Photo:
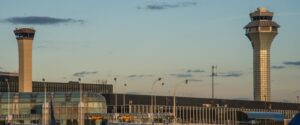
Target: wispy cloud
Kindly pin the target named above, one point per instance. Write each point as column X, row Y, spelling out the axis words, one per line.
column 84, row 73
column 278, row 67
column 163, row 6
column 195, row 80
column 195, row 71
column 41, row 47
column 182, row 75
column 292, row 63
column 41, row 20
column 230, row 74
column 133, row 76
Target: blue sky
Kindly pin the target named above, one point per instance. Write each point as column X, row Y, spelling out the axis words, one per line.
column 138, row 41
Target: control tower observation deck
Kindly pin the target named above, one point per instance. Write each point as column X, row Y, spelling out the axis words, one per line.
column 261, row 31
column 24, row 38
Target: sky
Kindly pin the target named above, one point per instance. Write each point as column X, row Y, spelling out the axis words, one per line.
column 138, row 41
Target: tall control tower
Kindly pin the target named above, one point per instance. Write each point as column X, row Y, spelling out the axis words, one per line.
column 24, row 38
column 261, row 31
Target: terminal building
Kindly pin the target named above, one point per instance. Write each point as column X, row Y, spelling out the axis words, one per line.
column 29, row 108
column 202, row 110
column 39, row 86
column 23, row 101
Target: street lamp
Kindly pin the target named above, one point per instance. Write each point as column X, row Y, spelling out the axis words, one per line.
column 213, row 74
column 90, row 120
column 265, row 102
column 80, row 103
column 155, row 106
column 124, row 99
column 174, row 100
column 298, row 101
column 45, row 100
column 152, row 109
column 116, row 96
column 9, row 117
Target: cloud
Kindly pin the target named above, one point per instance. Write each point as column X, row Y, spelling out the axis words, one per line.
column 39, row 20
column 230, row 74
column 278, row 67
column 195, row 71
column 133, row 76
column 195, row 80
column 41, row 47
column 293, row 63
column 84, row 73
column 163, row 6
column 182, row 75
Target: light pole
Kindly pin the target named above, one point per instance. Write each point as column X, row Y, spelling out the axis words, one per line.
column 213, row 74
column 8, row 102
column 124, row 99
column 265, row 102
column 298, row 102
column 90, row 120
column 45, row 100
column 174, row 100
column 152, row 109
column 80, row 103
column 155, row 106
column 116, row 96
column 265, row 108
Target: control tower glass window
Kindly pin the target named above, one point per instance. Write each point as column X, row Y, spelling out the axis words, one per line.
column 24, row 35
column 262, row 18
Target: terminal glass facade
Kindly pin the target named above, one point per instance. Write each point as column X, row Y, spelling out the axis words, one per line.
column 29, row 108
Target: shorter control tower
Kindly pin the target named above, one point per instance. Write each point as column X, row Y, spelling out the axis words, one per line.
column 24, row 38
column 261, row 31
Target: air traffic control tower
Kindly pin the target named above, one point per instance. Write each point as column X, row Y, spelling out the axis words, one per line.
column 24, row 38
column 261, row 31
